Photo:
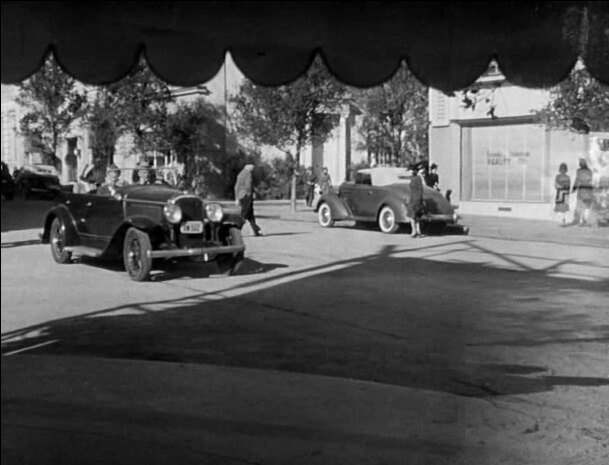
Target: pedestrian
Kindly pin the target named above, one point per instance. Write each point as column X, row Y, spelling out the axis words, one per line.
column 325, row 183
column 562, row 183
column 583, row 186
column 244, row 197
column 432, row 179
column 310, row 180
column 414, row 207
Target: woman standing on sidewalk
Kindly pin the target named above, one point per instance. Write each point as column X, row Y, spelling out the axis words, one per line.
column 562, row 182
column 583, row 186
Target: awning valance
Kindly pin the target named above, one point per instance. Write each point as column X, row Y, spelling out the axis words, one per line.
column 447, row 45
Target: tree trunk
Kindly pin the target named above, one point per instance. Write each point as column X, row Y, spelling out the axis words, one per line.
column 294, row 178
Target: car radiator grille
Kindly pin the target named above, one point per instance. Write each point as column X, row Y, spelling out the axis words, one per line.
column 192, row 210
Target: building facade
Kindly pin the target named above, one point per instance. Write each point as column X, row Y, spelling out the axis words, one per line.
column 495, row 157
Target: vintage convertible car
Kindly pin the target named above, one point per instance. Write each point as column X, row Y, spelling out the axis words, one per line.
column 379, row 195
column 8, row 184
column 38, row 180
column 142, row 222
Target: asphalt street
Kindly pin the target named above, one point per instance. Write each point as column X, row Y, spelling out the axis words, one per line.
column 339, row 345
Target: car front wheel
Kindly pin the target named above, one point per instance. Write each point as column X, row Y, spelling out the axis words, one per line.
column 324, row 216
column 229, row 264
column 135, row 254
column 57, row 241
column 387, row 220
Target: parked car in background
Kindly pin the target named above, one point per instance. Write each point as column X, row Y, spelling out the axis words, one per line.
column 8, row 184
column 380, row 195
column 40, row 181
column 141, row 222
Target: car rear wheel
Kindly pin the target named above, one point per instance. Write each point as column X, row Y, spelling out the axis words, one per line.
column 324, row 216
column 135, row 254
column 387, row 221
column 229, row 264
column 57, row 241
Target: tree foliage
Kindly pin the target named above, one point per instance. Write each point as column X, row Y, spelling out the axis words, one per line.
column 53, row 102
column 395, row 122
column 579, row 104
column 136, row 105
column 197, row 135
column 290, row 116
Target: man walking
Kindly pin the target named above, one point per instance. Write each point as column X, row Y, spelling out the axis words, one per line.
column 244, row 196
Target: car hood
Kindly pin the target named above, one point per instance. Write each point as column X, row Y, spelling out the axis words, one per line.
column 150, row 193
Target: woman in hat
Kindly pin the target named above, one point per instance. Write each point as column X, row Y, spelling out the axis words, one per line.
column 432, row 179
column 415, row 204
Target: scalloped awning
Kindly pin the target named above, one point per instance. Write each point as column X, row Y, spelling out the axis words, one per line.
column 447, row 45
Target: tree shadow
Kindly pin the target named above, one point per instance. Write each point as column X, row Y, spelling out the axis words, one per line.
column 400, row 321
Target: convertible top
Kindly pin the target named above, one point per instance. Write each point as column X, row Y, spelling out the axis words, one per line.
column 384, row 176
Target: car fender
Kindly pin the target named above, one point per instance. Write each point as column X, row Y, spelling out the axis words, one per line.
column 338, row 207
column 72, row 237
column 154, row 229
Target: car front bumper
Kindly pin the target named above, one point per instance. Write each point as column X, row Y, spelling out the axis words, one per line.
column 208, row 253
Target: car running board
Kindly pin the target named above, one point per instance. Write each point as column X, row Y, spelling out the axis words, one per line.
column 84, row 251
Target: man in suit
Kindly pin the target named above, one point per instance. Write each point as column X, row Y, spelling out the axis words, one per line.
column 244, row 196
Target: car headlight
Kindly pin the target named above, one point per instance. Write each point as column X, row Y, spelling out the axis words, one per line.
column 455, row 218
column 173, row 213
column 214, row 212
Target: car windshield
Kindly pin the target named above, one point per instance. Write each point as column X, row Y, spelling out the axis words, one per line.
column 134, row 176
column 41, row 169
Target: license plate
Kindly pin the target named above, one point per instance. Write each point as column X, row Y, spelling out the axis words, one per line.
column 192, row 227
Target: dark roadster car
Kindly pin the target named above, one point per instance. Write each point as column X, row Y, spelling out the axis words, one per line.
column 143, row 222
column 8, row 184
column 380, row 195
column 38, row 180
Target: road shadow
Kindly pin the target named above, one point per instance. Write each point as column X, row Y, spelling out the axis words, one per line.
column 390, row 319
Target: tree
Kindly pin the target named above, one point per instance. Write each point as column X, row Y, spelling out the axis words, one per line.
column 197, row 135
column 53, row 102
column 290, row 116
column 579, row 104
column 395, row 122
column 136, row 105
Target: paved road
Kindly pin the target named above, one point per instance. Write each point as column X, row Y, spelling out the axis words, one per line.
column 337, row 345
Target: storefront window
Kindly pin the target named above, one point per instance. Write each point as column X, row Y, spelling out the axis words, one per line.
column 507, row 163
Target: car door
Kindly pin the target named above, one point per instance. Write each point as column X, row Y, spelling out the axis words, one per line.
column 103, row 214
column 363, row 197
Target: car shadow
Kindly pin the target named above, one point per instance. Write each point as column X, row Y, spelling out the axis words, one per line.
column 167, row 270
column 174, row 270
column 11, row 245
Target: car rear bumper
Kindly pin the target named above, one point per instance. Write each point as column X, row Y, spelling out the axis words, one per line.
column 441, row 218
column 208, row 252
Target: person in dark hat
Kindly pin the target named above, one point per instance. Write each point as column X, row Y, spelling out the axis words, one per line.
column 414, row 207
column 432, row 179
column 144, row 173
